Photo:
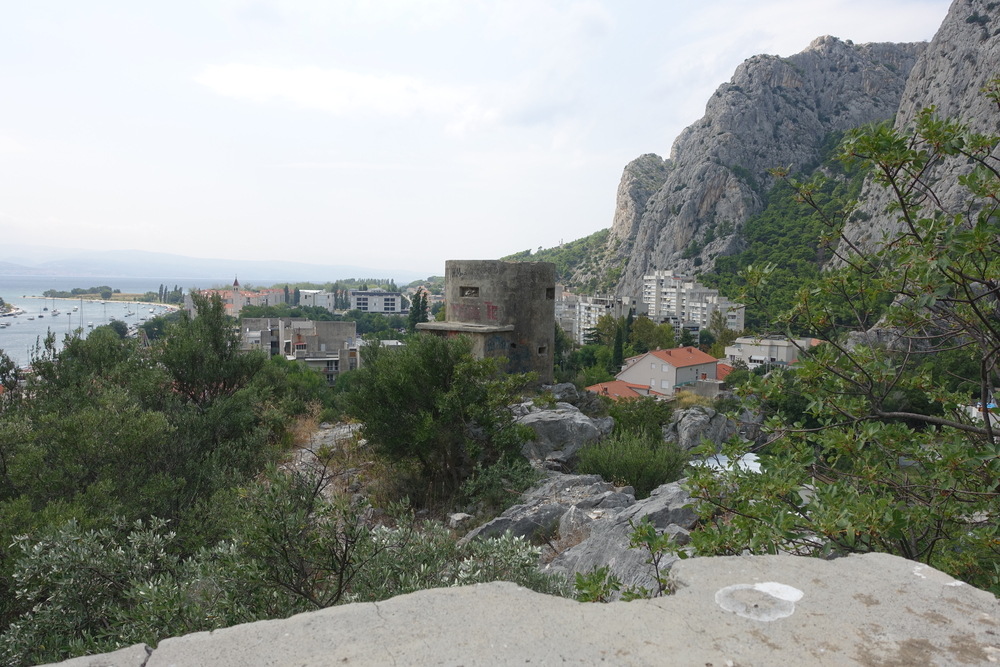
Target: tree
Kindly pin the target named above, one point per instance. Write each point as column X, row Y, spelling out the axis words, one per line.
column 891, row 457
column 418, row 309
column 432, row 405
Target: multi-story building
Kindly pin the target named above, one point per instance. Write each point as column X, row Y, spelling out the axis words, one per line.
column 319, row 299
column 684, row 302
column 579, row 314
column 379, row 301
column 236, row 298
column 767, row 350
column 330, row 348
column 506, row 308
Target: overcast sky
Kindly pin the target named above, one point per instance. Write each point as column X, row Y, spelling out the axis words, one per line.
column 380, row 133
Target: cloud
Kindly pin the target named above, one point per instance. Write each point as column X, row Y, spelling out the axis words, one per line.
column 346, row 93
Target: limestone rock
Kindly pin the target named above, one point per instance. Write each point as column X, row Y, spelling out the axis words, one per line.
column 872, row 609
column 689, row 427
column 960, row 59
column 564, row 429
column 774, row 112
column 538, row 515
column 607, row 537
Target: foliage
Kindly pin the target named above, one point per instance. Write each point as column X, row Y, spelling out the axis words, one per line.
column 645, row 416
column 104, row 291
column 633, row 459
column 645, row 335
column 495, row 488
column 432, row 404
column 581, row 255
column 789, row 236
column 890, row 459
column 418, row 310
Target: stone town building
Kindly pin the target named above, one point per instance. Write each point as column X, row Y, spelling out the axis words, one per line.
column 684, row 302
column 327, row 347
column 506, row 308
column 236, row 298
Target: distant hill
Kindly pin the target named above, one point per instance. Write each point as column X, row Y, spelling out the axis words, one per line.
column 42, row 261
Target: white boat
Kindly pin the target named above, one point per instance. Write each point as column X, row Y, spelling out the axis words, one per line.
column 90, row 325
column 31, row 317
column 75, row 308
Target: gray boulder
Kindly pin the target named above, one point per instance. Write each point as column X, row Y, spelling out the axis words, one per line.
column 539, row 515
column 563, row 429
column 605, row 537
column 564, row 391
column 585, row 523
column 693, row 425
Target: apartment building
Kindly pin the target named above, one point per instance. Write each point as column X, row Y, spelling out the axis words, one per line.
column 684, row 302
column 329, row 348
column 379, row 301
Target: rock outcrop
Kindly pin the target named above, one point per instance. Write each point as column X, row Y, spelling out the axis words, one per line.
column 949, row 74
column 775, row 112
column 755, row 610
column 585, row 523
column 691, row 426
column 562, row 430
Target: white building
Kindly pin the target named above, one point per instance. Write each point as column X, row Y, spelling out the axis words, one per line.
column 379, row 301
column 767, row 350
column 686, row 303
column 319, row 299
column 579, row 314
column 667, row 371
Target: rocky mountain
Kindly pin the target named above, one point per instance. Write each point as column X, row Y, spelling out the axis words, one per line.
column 683, row 212
column 961, row 58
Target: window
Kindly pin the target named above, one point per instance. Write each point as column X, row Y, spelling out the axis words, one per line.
column 550, row 292
column 652, row 366
column 468, row 291
column 542, row 349
column 664, row 384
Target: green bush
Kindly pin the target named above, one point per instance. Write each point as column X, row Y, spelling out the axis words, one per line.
column 636, row 460
column 495, row 488
column 644, row 415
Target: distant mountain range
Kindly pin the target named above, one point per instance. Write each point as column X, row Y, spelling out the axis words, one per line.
column 44, row 261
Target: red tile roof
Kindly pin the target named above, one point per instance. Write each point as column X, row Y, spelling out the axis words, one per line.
column 681, row 357
column 722, row 370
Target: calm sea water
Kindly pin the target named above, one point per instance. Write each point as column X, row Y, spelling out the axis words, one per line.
column 19, row 339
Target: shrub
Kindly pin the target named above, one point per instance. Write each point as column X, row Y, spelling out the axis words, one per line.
column 631, row 459
column 495, row 488
column 644, row 415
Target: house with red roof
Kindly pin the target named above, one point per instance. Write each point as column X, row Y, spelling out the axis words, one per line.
column 617, row 389
column 665, row 372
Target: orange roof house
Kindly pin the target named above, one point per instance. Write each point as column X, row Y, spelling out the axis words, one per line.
column 668, row 371
column 616, row 389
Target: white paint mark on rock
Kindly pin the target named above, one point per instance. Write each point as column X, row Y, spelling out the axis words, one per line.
column 767, row 601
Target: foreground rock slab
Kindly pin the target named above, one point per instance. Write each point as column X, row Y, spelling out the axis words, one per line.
column 754, row 610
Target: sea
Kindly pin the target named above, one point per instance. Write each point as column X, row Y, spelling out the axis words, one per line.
column 75, row 316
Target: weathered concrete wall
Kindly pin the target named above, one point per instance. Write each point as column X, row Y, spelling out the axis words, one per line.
column 495, row 293
column 756, row 610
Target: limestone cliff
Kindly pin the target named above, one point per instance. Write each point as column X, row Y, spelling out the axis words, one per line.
column 961, row 58
column 774, row 112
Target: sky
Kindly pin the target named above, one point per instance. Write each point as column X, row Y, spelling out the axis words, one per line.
column 376, row 133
